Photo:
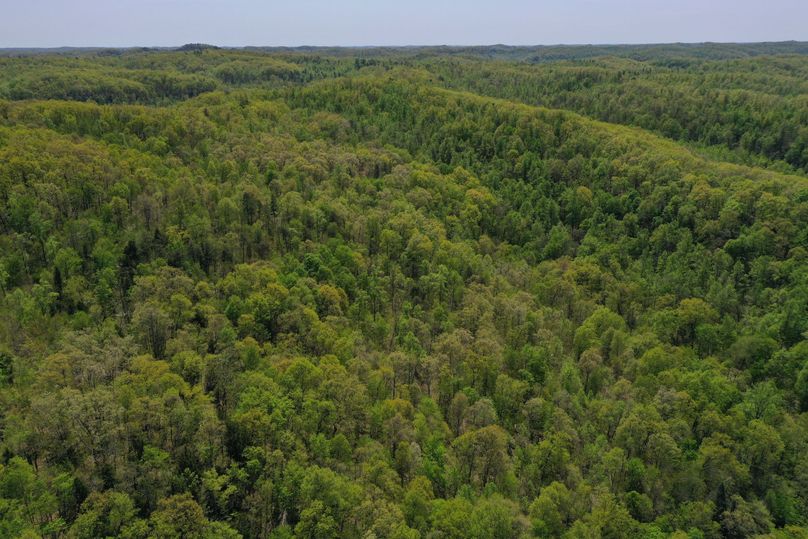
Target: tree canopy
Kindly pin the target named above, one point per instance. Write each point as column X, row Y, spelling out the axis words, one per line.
column 318, row 294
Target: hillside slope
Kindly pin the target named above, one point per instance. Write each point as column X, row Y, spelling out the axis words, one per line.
column 368, row 305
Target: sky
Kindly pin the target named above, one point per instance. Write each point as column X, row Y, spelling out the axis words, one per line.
column 121, row 23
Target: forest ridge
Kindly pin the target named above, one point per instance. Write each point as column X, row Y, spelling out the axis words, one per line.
column 438, row 292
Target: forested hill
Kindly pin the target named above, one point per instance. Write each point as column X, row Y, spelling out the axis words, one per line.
column 246, row 294
column 746, row 103
column 757, row 108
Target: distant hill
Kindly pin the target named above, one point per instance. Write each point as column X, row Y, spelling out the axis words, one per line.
column 537, row 53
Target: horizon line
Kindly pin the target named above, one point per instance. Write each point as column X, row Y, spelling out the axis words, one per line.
column 403, row 46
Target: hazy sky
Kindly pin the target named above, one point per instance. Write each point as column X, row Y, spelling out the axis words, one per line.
column 49, row 23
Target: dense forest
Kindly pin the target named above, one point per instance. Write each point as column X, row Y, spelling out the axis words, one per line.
column 400, row 293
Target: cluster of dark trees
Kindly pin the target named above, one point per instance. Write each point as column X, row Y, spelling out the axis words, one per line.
column 371, row 306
